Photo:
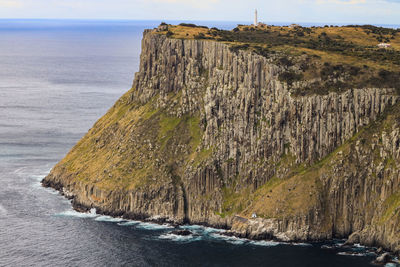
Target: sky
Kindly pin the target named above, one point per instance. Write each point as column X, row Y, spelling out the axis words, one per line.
column 314, row 11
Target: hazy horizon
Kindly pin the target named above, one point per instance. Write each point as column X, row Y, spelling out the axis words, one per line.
column 208, row 22
column 377, row 12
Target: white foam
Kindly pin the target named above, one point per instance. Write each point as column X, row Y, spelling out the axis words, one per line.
column 74, row 213
column 3, row 211
column 301, row 244
column 128, row 223
column 352, row 254
column 38, row 178
column 358, row 246
column 391, row 264
column 179, row 238
column 230, row 239
column 201, row 229
column 153, row 226
column 105, row 218
column 237, row 241
column 265, row 243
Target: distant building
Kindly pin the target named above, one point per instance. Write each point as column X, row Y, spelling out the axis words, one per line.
column 254, row 215
column 384, row 45
column 256, row 23
column 294, row 26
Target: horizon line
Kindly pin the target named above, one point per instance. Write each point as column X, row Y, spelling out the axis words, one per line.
column 193, row 20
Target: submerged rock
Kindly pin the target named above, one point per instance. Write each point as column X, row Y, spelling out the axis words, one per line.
column 384, row 258
column 182, row 232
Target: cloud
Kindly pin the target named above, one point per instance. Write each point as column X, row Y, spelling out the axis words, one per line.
column 355, row 2
column 11, row 3
column 204, row 4
column 342, row 2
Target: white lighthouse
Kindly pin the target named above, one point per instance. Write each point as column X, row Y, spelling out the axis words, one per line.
column 255, row 18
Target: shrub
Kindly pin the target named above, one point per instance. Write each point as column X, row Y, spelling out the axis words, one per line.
column 192, row 25
column 236, row 48
column 200, row 36
column 290, row 76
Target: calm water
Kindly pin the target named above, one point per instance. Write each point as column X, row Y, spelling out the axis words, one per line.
column 56, row 79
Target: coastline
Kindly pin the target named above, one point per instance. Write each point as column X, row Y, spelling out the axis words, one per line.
column 78, row 207
column 145, row 159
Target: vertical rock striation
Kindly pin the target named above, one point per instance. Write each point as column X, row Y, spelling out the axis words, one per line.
column 206, row 130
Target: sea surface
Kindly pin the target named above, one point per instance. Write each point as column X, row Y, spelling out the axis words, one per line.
column 57, row 78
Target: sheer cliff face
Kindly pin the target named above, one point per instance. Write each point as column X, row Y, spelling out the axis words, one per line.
column 206, row 134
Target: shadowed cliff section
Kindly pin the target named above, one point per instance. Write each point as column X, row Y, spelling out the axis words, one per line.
column 207, row 133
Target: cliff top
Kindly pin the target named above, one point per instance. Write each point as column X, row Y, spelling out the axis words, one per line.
column 369, row 55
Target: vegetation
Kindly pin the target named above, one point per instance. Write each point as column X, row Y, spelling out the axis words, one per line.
column 325, row 58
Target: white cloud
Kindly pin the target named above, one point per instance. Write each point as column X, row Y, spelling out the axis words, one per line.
column 204, row 4
column 11, row 3
column 342, row 2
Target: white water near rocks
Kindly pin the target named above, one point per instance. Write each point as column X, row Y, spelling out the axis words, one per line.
column 56, row 79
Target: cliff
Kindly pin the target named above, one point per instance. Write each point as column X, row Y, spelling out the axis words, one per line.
column 210, row 135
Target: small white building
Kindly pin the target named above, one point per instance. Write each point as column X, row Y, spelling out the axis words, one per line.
column 294, row 26
column 384, row 45
column 254, row 215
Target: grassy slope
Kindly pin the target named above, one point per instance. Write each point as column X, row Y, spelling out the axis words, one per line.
column 132, row 146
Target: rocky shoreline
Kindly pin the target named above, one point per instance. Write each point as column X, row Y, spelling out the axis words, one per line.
column 382, row 256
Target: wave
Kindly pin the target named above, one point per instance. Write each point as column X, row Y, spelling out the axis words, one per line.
column 105, row 218
column 265, row 243
column 201, row 229
column 128, row 223
column 244, row 241
column 3, row 211
column 74, row 213
column 301, row 244
column 353, row 254
column 180, row 238
column 153, row 226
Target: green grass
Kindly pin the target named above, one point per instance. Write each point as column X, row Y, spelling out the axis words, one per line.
column 392, row 207
column 167, row 127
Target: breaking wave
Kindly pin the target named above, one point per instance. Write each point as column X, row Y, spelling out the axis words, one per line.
column 153, row 226
column 180, row 238
column 105, row 218
column 74, row 213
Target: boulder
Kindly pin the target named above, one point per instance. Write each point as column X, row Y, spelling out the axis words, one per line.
column 182, row 232
column 384, row 258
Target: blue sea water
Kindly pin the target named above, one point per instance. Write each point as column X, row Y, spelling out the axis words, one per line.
column 57, row 77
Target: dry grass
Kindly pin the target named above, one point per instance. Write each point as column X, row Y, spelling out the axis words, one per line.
column 184, row 32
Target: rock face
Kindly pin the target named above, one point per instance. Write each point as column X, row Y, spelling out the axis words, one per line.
column 206, row 134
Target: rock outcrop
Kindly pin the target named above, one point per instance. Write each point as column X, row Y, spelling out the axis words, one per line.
column 207, row 133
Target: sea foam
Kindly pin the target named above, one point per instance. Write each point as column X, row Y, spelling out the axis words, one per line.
column 153, row 226
column 105, row 218
column 352, row 254
column 3, row 211
column 128, row 223
column 74, row 213
column 180, row 238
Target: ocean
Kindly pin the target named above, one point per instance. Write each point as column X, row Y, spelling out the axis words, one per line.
column 57, row 77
